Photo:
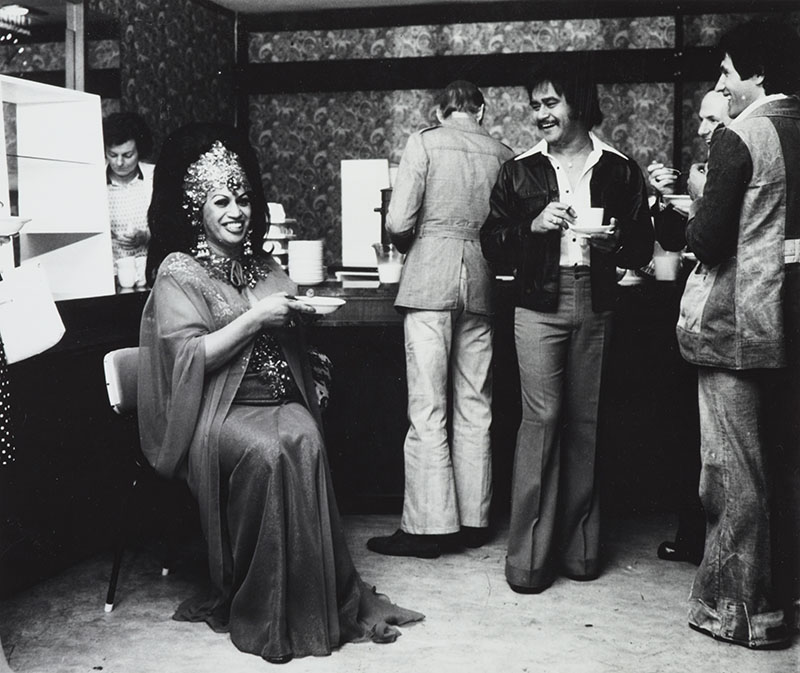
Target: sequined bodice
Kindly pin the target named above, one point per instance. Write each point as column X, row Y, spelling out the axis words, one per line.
column 268, row 377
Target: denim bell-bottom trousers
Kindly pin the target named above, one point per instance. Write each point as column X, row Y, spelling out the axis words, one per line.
column 448, row 470
column 555, row 511
column 733, row 596
column 747, row 589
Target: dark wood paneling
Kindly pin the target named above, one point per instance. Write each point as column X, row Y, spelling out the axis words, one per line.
column 105, row 83
column 515, row 10
column 390, row 74
column 103, row 29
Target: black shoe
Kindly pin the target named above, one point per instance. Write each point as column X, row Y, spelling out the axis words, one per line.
column 282, row 659
column 586, row 577
column 672, row 551
column 404, row 544
column 448, row 543
column 474, row 537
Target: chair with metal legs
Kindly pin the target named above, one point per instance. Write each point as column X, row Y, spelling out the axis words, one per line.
column 121, row 372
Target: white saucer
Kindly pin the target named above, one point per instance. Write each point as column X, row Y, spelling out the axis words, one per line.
column 323, row 305
column 588, row 231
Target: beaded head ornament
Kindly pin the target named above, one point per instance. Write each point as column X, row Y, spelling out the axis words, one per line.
column 218, row 167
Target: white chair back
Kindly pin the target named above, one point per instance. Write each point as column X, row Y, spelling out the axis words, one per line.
column 121, row 371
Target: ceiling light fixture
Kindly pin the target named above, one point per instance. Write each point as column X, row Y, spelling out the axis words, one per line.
column 14, row 19
column 14, row 10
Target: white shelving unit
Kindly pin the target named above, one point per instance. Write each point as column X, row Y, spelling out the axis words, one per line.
column 55, row 163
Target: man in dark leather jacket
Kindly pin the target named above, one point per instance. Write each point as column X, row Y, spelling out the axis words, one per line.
column 564, row 215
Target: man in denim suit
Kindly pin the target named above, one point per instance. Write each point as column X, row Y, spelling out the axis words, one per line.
column 740, row 322
column 439, row 201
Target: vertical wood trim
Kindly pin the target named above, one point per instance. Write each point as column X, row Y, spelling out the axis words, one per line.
column 75, row 46
column 677, row 103
column 242, row 95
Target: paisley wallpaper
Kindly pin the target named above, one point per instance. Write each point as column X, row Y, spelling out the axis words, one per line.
column 704, row 30
column 177, row 62
column 461, row 39
column 50, row 56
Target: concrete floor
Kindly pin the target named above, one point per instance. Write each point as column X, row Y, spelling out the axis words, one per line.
column 632, row 619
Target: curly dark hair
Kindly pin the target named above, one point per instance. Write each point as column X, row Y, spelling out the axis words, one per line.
column 120, row 127
column 171, row 227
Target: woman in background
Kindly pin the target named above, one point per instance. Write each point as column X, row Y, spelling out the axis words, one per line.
column 226, row 400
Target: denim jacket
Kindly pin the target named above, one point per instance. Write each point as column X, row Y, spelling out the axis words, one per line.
column 732, row 308
column 440, row 198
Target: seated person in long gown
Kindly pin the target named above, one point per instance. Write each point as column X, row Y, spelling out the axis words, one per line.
column 226, row 401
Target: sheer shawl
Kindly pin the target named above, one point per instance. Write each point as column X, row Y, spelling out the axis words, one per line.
column 181, row 408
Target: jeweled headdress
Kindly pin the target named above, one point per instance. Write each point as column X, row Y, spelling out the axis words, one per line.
column 218, row 167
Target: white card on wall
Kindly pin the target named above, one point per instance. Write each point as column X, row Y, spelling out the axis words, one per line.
column 362, row 182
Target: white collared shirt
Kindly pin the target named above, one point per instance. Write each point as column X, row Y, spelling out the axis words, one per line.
column 574, row 249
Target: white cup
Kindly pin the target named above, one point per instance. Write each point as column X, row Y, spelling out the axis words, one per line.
column 390, row 262
column 126, row 272
column 589, row 217
column 666, row 265
column 389, row 272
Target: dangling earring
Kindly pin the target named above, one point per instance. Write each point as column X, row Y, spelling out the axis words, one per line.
column 200, row 248
column 248, row 246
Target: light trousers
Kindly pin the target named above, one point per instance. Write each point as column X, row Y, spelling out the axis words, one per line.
column 448, row 475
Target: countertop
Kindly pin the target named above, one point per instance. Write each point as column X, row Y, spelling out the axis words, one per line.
column 366, row 306
column 113, row 320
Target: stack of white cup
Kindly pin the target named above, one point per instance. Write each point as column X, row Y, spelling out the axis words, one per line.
column 305, row 262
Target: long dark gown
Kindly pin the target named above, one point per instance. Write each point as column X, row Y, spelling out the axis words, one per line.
column 284, row 580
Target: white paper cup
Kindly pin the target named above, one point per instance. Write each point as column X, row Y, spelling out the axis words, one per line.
column 126, row 271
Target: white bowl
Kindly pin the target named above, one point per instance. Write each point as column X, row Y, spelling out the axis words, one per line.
column 10, row 225
column 323, row 305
